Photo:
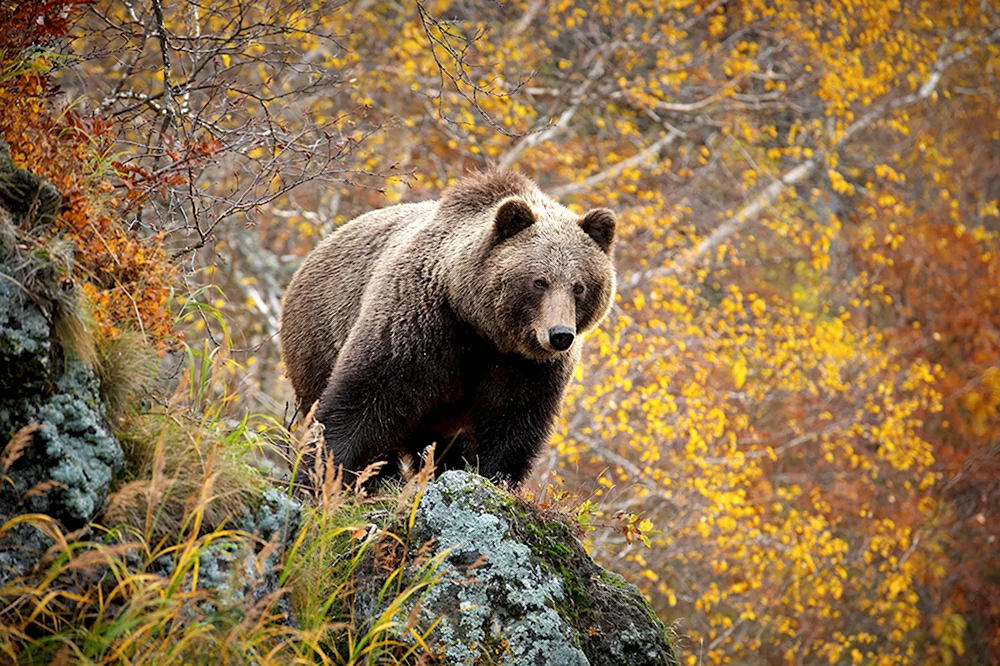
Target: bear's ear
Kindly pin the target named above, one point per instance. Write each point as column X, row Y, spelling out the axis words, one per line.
column 599, row 224
column 513, row 217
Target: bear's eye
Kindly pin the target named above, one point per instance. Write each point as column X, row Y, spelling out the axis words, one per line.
column 578, row 289
column 541, row 284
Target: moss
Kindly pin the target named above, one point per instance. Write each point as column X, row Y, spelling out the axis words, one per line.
column 618, row 582
column 548, row 541
column 610, row 615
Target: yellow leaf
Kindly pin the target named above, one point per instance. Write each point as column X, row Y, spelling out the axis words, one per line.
column 740, row 371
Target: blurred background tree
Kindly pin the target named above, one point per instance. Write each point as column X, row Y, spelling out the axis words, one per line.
column 800, row 382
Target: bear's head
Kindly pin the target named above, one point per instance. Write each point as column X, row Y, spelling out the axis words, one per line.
column 547, row 275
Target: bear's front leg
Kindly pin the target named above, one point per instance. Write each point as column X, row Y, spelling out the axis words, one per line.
column 515, row 408
column 453, row 453
column 507, row 443
column 369, row 407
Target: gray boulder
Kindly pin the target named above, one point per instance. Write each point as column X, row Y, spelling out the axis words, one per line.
column 516, row 588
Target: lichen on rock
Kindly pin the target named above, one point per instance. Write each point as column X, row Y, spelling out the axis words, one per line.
column 518, row 589
column 66, row 469
column 243, row 568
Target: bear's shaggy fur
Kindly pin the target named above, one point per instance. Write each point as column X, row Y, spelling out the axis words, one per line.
column 456, row 321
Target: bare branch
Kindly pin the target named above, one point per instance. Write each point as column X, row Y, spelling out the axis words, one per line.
column 642, row 157
column 508, row 159
column 528, row 17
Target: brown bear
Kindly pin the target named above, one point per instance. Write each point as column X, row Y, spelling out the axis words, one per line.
column 456, row 321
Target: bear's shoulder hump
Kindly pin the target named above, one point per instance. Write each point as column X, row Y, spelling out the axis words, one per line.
column 481, row 190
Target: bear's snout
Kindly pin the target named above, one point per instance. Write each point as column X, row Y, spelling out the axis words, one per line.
column 561, row 337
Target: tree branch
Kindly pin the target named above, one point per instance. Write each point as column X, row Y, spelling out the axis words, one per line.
column 507, row 159
column 804, row 170
column 528, row 17
column 639, row 158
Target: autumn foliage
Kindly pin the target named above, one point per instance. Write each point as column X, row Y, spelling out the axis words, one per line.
column 799, row 386
column 127, row 278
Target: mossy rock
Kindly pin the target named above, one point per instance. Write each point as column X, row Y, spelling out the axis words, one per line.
column 517, row 588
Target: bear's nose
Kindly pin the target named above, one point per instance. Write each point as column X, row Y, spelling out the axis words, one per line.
column 561, row 337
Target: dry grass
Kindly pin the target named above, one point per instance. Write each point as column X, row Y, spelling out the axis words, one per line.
column 108, row 600
column 132, row 588
column 183, row 463
column 17, row 445
column 127, row 371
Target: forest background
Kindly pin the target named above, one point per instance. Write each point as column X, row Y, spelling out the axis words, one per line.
column 799, row 384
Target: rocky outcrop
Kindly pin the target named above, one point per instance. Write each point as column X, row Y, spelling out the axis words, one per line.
column 64, row 471
column 516, row 588
column 60, row 456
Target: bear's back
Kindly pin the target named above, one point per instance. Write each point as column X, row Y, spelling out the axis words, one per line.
column 324, row 298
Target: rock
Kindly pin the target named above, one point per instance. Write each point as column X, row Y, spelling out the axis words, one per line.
column 241, row 571
column 275, row 522
column 66, row 457
column 70, row 456
column 516, row 588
